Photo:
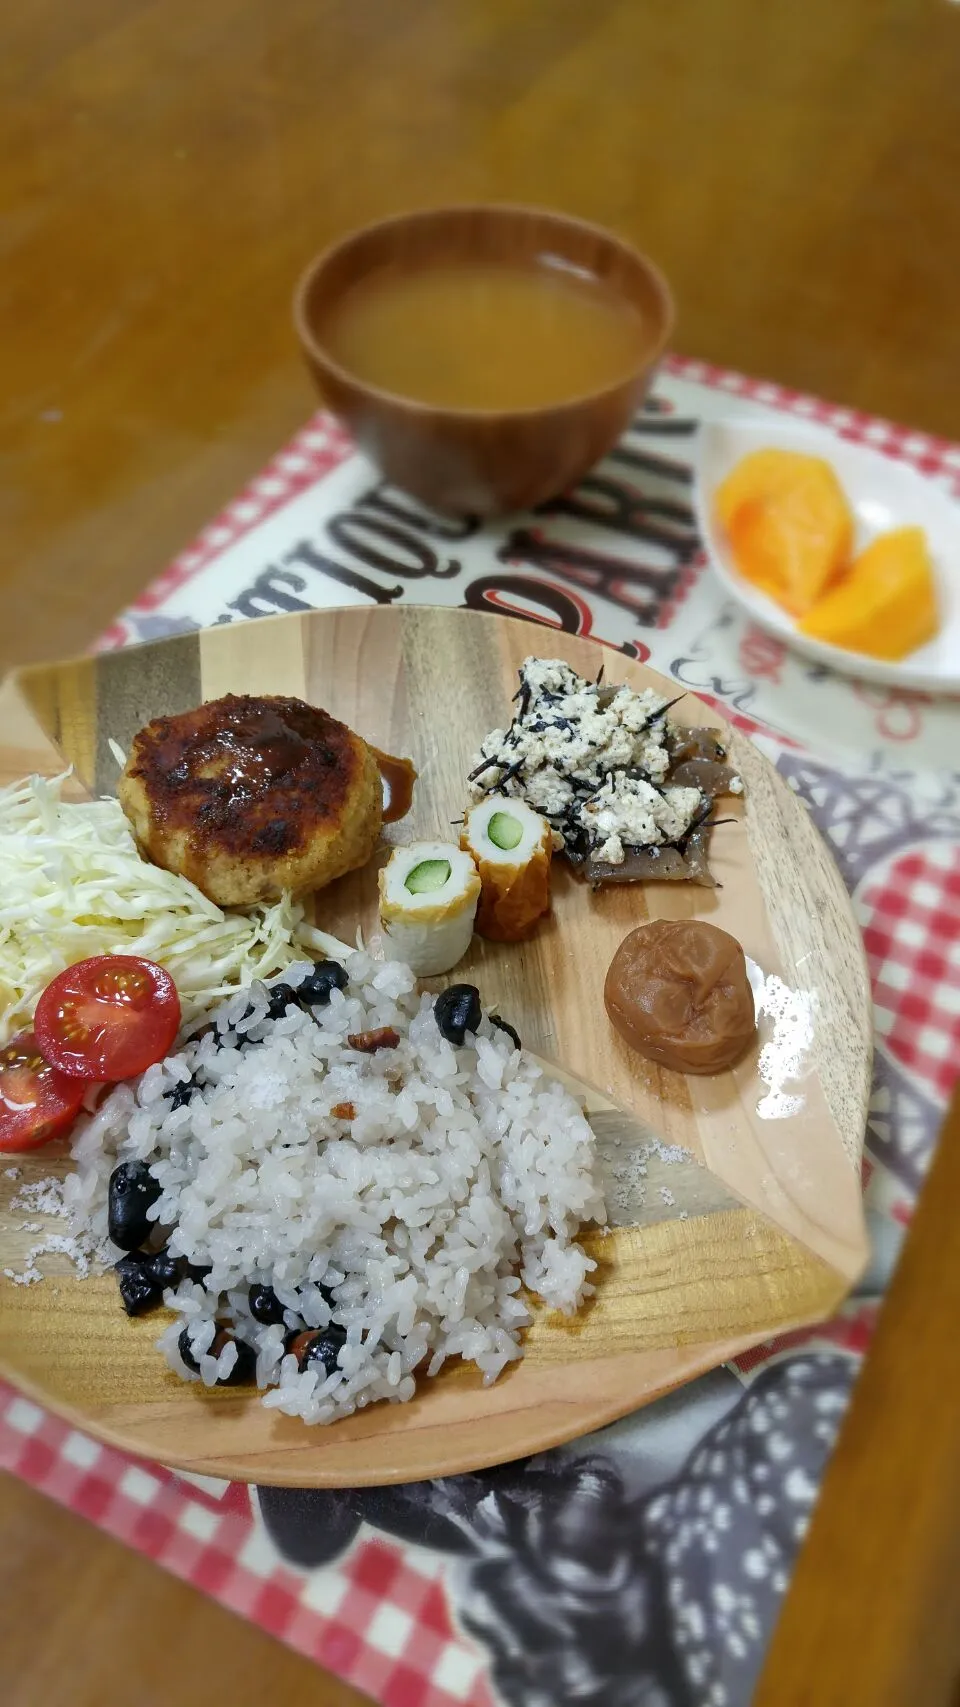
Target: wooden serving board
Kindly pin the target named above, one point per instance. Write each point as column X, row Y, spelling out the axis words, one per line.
column 758, row 1230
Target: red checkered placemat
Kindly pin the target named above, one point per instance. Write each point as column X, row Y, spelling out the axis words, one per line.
column 654, row 1555
column 911, row 931
column 380, row 1618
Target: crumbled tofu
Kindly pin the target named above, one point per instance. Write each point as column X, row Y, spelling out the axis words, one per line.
column 548, row 793
column 549, row 676
column 594, row 760
column 628, row 812
column 568, row 734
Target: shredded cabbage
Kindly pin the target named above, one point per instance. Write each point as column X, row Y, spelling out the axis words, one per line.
column 73, row 884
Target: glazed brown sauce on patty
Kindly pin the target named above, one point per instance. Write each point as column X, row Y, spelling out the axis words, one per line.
column 258, row 773
column 253, row 750
column 398, row 776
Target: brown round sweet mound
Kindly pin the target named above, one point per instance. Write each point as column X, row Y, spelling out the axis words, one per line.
column 677, row 991
column 248, row 796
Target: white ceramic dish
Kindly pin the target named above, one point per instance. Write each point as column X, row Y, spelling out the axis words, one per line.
column 883, row 494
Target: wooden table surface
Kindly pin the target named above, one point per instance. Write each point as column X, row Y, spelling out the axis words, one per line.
column 165, row 170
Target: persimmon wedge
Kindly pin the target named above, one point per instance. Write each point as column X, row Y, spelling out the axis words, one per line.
column 788, row 522
column 886, row 604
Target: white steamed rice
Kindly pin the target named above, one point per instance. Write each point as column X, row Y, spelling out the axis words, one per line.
column 463, row 1175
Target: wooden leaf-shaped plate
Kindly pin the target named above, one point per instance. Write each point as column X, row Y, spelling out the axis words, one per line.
column 761, row 1230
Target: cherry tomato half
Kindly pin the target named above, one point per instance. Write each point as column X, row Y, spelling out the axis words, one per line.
column 36, row 1102
column 108, row 1018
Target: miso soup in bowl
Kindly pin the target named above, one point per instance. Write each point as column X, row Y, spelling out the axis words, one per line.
column 485, row 357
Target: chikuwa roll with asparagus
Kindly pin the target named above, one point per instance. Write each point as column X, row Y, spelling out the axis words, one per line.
column 428, row 902
column 512, row 846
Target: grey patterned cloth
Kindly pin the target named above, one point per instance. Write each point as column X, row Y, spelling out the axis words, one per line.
column 595, row 1579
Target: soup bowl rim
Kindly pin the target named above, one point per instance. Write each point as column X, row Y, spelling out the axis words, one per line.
column 316, row 349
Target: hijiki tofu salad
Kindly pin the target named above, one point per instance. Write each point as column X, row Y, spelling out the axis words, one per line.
column 324, row 1179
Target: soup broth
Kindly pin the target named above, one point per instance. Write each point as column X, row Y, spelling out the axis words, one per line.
column 485, row 335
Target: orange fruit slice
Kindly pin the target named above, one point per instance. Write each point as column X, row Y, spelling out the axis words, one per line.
column 886, row 604
column 788, row 522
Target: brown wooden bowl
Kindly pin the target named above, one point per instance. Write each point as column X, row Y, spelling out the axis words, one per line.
column 476, row 461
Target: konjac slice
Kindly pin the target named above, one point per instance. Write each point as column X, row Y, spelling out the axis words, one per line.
column 788, row 522
column 886, row 604
column 108, row 1018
